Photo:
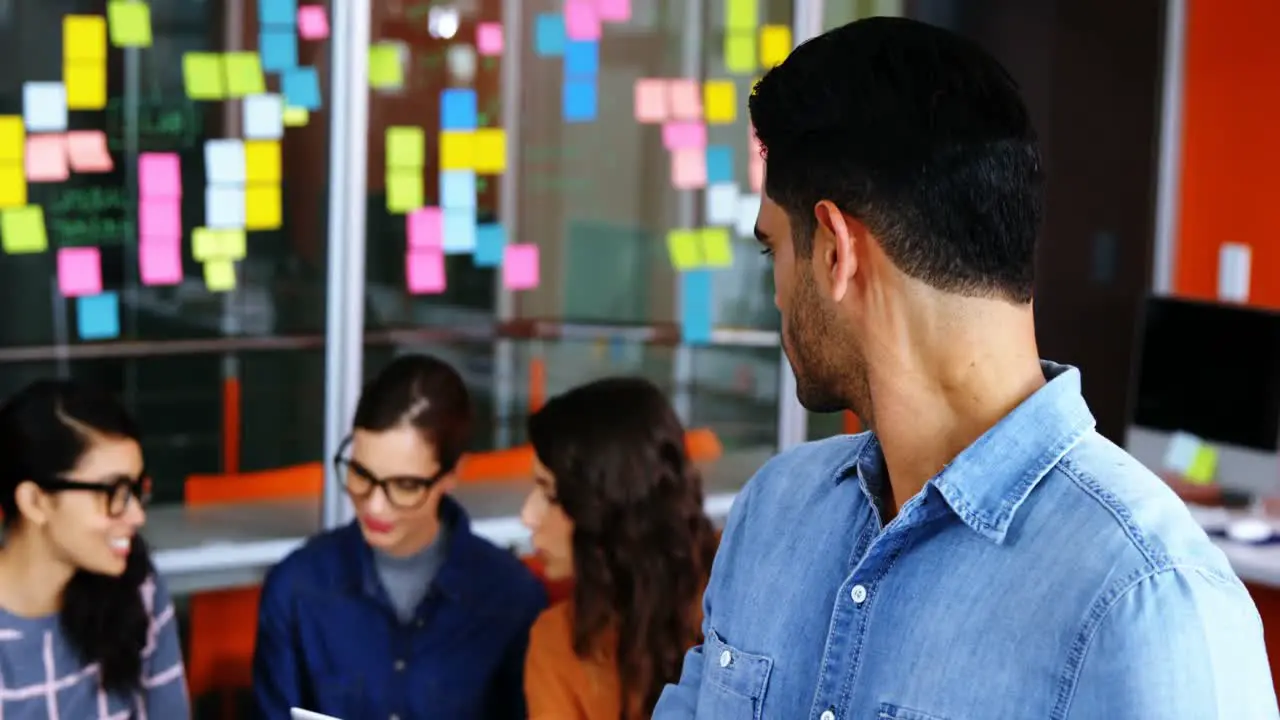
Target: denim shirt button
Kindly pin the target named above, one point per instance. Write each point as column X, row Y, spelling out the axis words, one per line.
column 859, row 594
column 726, row 657
column 827, row 714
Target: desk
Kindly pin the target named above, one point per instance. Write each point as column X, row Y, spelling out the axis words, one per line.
column 219, row 547
column 1255, row 564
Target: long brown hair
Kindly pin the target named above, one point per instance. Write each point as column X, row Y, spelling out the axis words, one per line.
column 642, row 544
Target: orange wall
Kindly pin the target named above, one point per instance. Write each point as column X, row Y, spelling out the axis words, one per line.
column 1230, row 179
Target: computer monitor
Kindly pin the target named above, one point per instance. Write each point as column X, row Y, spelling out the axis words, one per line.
column 1213, row 371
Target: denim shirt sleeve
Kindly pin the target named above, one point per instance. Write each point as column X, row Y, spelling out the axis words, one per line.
column 277, row 683
column 1176, row 643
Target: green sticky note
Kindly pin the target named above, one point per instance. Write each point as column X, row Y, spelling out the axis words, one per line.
column 717, row 251
column 244, row 74
column 683, row 245
column 386, row 66
column 741, row 15
column 740, row 52
column 404, row 191
column 202, row 74
column 130, row 22
column 406, row 147
column 22, row 230
column 1203, row 466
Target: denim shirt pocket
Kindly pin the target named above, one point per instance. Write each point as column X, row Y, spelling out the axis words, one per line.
column 889, row 711
column 733, row 681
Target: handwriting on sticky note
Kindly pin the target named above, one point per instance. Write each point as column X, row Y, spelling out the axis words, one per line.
column 651, row 99
column 98, row 316
column 520, row 266
column 688, row 169
column 717, row 249
column 684, row 248
column 220, row 275
column 203, row 77
column 130, row 22
column 244, row 74
column 721, row 101
column 160, row 260
column 775, row 44
column 490, row 151
column 159, row 175
column 87, row 150
column 22, row 230
column 46, row 159
column 386, row 65
column 79, row 271
column 313, row 22
column 159, row 218
column 489, row 39
column 263, row 207
column 686, row 98
column 684, row 135
column 406, row 147
column 425, row 227
column 424, row 270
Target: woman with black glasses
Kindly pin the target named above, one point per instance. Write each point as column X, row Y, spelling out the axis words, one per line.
column 404, row 613
column 86, row 627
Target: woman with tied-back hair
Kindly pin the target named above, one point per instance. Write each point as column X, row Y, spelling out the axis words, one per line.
column 617, row 507
column 86, row 627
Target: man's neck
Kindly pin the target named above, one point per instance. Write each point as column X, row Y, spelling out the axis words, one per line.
column 31, row 582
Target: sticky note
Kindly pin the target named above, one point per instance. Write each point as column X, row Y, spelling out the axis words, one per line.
column 244, row 74
column 581, row 58
column 224, row 161
column 214, row 244
column 296, row 117
column 775, row 44
column 684, row 135
column 651, row 100
column 98, row 316
column 44, row 106
column 313, row 22
column 46, row 159
column 22, row 230
column 424, row 270
column 160, row 260
column 489, row 149
column 549, row 34
column 459, row 231
column 719, row 163
column 744, row 224
column 721, row 202
column 224, row 206
column 301, row 87
column 278, row 48
column 491, row 241
column 386, row 65
column 203, row 76
column 614, row 11
column 720, row 99
column 1234, row 263
column 220, row 275
column 13, row 186
column 717, row 249
column 263, row 117
column 13, row 139
column 688, row 169
column 685, row 249
column 580, row 100
column 263, row 207
column 84, row 37
column 457, row 149
column 520, row 266
column 262, row 162
column 425, row 228
column 87, row 150
column 740, row 52
column 685, row 95
column 86, row 85
column 1203, row 465
column 489, row 39
column 695, row 306
column 581, row 22
column 458, row 189
column 458, row 109
column 130, row 22
column 404, row 190
column 159, row 218
column 741, row 15
column 406, row 147
column 79, row 271
column 280, row 12
column 159, row 175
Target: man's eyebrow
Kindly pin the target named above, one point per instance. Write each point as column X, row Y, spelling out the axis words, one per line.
column 761, row 235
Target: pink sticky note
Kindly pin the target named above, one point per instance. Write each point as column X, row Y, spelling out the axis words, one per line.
column 160, row 218
column 581, row 21
column 313, row 22
column 79, row 271
column 46, row 158
column 424, row 270
column 684, row 135
column 88, row 151
column 686, row 98
column 520, row 266
column 160, row 260
column 755, row 169
column 159, row 176
column 651, row 100
column 425, row 228
column 489, row 38
column 689, row 169
column 616, row 11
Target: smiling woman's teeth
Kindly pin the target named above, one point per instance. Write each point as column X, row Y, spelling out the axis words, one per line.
column 121, row 543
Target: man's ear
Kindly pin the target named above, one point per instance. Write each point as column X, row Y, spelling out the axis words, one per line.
column 835, row 248
column 33, row 503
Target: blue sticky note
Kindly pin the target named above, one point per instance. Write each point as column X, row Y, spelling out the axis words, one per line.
column 224, row 207
column 98, row 316
column 278, row 12
column 581, row 59
column 301, row 86
column 491, row 238
column 695, row 306
column 458, row 109
column 278, row 48
column 224, row 161
column 719, row 164
column 580, row 100
column 458, row 189
column 44, row 106
column 459, row 225
column 548, row 34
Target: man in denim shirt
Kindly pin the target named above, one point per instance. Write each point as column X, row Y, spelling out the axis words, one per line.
column 983, row 554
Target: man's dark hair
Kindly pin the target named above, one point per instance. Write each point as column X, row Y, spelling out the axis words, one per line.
column 919, row 134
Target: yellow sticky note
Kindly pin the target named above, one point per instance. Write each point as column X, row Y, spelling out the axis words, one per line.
column 490, row 149
column 13, row 138
column 86, row 83
column 209, row 244
column 130, row 22
column 84, row 37
column 22, row 230
column 404, row 191
column 202, row 74
column 682, row 245
column 406, row 147
column 741, row 15
column 244, row 74
column 386, row 66
column 740, row 52
column 717, row 250
column 220, row 275
column 262, row 163
column 262, row 207
column 457, row 150
column 720, row 101
column 775, row 44
column 13, row 186
column 296, row 117
column 1203, row 466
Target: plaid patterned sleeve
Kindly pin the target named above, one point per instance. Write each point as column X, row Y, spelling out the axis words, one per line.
column 164, row 688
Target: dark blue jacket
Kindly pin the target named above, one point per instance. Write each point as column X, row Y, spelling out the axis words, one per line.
column 329, row 640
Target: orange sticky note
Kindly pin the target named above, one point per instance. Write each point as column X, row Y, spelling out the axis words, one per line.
column 686, row 98
column 46, row 159
column 652, row 102
column 87, row 150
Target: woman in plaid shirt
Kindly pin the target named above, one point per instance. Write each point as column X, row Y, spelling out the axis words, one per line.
column 86, row 628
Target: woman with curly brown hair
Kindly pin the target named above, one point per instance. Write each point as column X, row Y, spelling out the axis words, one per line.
column 617, row 507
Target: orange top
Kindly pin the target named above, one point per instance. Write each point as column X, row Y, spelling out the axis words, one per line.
column 559, row 685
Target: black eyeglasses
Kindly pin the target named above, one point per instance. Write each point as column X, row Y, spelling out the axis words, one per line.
column 403, row 492
column 117, row 490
